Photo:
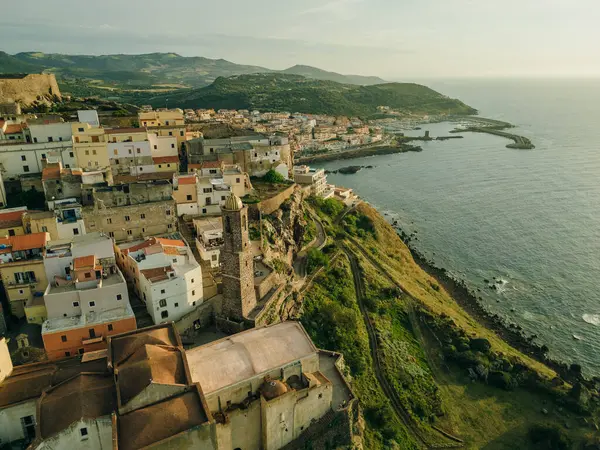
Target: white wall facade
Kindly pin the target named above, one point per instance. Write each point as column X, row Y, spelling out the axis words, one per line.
column 51, row 132
column 67, row 230
column 162, row 145
column 11, row 428
column 21, row 159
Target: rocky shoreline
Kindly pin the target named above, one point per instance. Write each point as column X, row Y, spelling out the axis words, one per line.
column 509, row 332
column 358, row 153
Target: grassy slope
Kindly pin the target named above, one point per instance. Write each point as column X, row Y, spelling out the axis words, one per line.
column 294, row 93
column 332, row 318
column 482, row 415
column 397, row 257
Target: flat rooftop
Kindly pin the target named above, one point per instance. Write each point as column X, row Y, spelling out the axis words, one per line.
column 91, row 318
column 111, row 280
column 248, row 354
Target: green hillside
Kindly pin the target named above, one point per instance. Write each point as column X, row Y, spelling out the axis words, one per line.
column 293, row 93
column 320, row 74
column 152, row 70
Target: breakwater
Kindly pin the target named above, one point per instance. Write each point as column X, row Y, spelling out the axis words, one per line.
column 358, row 153
column 495, row 127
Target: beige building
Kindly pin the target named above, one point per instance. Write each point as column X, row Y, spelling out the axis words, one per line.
column 22, row 269
column 132, row 211
column 313, row 180
column 11, row 221
column 89, row 145
column 165, row 123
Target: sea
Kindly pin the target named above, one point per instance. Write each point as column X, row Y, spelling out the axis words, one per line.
column 528, row 218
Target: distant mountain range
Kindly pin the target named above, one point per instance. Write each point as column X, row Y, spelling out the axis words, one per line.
column 153, row 69
column 294, row 93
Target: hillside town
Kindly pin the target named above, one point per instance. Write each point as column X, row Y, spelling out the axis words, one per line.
column 136, row 261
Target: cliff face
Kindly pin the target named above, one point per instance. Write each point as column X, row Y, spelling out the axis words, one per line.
column 29, row 89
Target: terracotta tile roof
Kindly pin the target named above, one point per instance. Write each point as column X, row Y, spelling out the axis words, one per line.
column 140, row 246
column 187, row 180
column 157, row 274
column 211, row 165
column 149, row 364
column 170, row 242
column 50, row 173
column 165, row 159
column 28, row 241
column 86, row 395
column 14, row 128
column 160, row 421
column 124, row 130
column 28, row 381
column 194, row 166
column 123, row 346
column 84, row 262
column 11, row 219
column 171, row 251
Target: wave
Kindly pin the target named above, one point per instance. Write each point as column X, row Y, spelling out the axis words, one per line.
column 593, row 319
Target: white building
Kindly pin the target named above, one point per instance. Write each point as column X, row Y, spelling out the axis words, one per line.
column 209, row 239
column 51, row 132
column 314, row 180
column 164, row 274
column 21, row 159
column 162, row 145
column 89, row 116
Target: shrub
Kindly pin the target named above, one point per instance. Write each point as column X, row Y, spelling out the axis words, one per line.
column 480, row 345
column 501, row 380
column 316, row 259
column 548, row 437
column 273, row 177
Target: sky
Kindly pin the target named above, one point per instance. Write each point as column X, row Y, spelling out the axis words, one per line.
column 394, row 39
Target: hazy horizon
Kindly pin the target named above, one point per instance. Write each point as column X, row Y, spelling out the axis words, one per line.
column 426, row 39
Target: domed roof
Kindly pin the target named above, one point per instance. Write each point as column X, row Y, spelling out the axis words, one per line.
column 271, row 389
column 233, row 203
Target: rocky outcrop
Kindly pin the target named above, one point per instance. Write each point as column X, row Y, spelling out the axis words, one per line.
column 29, row 89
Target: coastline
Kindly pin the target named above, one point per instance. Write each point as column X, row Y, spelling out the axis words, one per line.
column 511, row 333
column 358, row 153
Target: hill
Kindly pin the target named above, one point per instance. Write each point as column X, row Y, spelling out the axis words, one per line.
column 150, row 70
column 320, row 74
column 294, row 93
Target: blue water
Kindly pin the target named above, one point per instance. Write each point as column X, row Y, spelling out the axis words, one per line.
column 530, row 217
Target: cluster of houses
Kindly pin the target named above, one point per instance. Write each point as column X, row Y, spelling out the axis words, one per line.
column 108, row 247
column 306, row 132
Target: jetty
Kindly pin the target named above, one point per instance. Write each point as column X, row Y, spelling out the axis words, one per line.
column 495, row 127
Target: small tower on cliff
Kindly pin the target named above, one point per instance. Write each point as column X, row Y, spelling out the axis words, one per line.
column 239, row 298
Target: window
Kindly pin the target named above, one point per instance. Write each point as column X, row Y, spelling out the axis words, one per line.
column 181, row 133
column 193, row 303
column 21, row 291
column 223, row 198
column 63, row 338
column 80, row 351
column 203, row 210
column 87, row 152
column 141, row 169
column 84, row 432
column 116, row 161
column 168, row 212
column 44, row 155
column 172, row 145
column 192, row 280
column 237, row 180
column 138, row 150
column 164, row 314
column 80, row 130
column 129, row 232
column 160, row 166
column 176, row 305
column 214, row 257
column 60, row 138
column 170, row 133
column 108, row 221
column 193, row 293
column 67, row 353
column 92, row 333
column 25, row 168
column 142, row 216
column 162, row 291
column 111, row 234
column 67, row 166
column 75, row 304
column 92, row 304
column 169, row 226
column 207, row 190
column 96, row 163
column 110, row 327
column 174, row 260
column 34, row 139
column 11, row 232
column 188, row 197
column 94, row 152
column 88, row 275
column 119, row 297
column 130, row 152
column 75, row 231
column 71, row 155
column 127, row 218
column 23, row 158
column 155, row 147
column 168, row 165
column 167, row 122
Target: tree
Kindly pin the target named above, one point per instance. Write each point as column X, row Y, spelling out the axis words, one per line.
column 273, row 177
column 315, row 260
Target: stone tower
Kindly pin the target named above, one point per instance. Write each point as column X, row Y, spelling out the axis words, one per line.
column 238, row 265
